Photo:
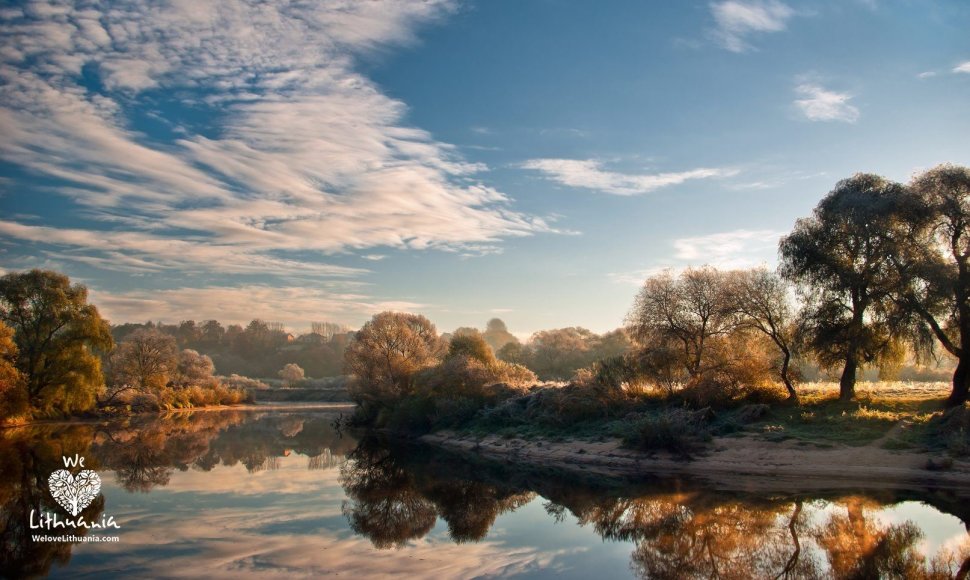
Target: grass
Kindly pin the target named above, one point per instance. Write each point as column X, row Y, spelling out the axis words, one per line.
column 893, row 415
column 878, row 409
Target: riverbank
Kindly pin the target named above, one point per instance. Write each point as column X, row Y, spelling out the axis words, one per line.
column 745, row 462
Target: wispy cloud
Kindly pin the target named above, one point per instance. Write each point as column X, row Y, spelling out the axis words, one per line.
column 302, row 154
column 963, row 67
column 820, row 104
column 138, row 252
column 734, row 249
column 730, row 250
column 737, row 20
column 589, row 174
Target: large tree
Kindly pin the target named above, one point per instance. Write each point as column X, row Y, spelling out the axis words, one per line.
column 841, row 256
column 934, row 265
column 386, row 353
column 58, row 336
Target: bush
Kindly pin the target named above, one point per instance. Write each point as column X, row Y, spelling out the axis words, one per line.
column 243, row 383
column 472, row 346
column 951, row 431
column 721, row 392
column 679, row 431
column 463, row 376
column 555, row 406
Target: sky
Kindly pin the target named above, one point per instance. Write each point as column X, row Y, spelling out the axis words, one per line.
column 534, row 160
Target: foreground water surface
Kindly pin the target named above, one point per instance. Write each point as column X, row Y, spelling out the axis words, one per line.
column 283, row 493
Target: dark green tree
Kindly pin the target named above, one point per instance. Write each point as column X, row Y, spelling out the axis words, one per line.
column 841, row 256
column 58, row 336
column 934, row 264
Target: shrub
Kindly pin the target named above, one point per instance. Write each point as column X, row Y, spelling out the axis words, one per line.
column 244, row 383
column 678, row 431
column 291, row 373
column 472, row 346
column 951, row 430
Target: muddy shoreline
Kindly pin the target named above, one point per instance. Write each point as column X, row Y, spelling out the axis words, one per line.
column 743, row 463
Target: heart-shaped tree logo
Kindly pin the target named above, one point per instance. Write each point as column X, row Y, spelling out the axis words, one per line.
column 74, row 492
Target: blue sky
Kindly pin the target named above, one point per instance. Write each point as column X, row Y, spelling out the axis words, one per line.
column 532, row 160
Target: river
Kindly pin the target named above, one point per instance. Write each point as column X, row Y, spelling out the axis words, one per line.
column 281, row 492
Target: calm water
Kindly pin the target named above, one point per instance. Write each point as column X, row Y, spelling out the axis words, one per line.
column 280, row 493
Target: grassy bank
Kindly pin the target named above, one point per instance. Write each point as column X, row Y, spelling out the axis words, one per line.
column 891, row 415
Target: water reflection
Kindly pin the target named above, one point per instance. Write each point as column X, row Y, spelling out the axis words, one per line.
column 391, row 504
column 676, row 532
column 25, row 465
column 143, row 452
column 402, row 500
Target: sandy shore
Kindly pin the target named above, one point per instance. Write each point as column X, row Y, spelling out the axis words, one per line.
column 744, row 463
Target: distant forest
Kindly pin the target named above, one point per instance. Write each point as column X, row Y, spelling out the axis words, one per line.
column 260, row 349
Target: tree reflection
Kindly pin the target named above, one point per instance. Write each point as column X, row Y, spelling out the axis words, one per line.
column 856, row 546
column 143, row 452
column 391, row 504
column 385, row 506
column 27, row 458
column 396, row 494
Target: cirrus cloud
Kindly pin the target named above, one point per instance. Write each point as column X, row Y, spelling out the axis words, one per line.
column 589, row 174
column 273, row 145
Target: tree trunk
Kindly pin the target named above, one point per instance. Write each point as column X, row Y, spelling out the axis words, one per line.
column 785, row 363
column 847, row 382
column 961, row 383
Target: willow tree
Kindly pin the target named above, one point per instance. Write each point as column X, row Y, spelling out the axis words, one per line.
column 58, row 337
column 841, row 256
column 935, row 264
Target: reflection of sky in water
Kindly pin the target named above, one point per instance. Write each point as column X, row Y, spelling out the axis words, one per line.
column 229, row 523
column 289, row 520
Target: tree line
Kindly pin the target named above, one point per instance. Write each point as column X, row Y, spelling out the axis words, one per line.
column 878, row 271
column 258, row 349
column 58, row 357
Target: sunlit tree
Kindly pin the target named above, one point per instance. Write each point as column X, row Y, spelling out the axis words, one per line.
column 193, row 369
column 691, row 311
column 13, row 398
column 291, row 373
column 471, row 345
column 145, row 361
column 386, row 353
column 58, row 337
column 761, row 301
